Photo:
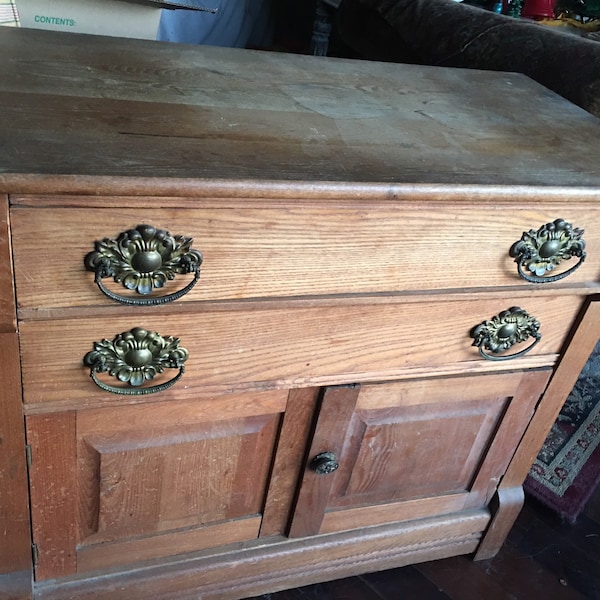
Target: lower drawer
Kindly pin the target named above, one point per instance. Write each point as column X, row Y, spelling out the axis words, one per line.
column 235, row 350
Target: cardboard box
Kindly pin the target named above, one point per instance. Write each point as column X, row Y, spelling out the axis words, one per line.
column 118, row 18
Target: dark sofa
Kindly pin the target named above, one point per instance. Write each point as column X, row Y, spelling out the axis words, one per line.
column 446, row 33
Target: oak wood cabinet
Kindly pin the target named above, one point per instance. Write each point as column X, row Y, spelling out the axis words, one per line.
column 356, row 282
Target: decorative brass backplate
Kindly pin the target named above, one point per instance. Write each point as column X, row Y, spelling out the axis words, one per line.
column 134, row 357
column 143, row 259
column 501, row 332
column 539, row 252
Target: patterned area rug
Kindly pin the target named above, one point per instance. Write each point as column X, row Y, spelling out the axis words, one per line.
column 567, row 468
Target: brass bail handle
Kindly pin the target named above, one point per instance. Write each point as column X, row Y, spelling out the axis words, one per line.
column 134, row 357
column 540, row 252
column 144, row 259
column 504, row 330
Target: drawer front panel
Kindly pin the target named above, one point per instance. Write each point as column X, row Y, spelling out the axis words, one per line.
column 249, row 349
column 296, row 251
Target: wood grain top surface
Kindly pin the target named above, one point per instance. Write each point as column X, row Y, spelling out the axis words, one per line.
column 77, row 105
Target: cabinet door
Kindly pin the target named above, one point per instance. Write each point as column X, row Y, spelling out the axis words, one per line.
column 412, row 449
column 112, row 486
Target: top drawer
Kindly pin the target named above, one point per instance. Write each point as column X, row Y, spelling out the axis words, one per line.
column 300, row 250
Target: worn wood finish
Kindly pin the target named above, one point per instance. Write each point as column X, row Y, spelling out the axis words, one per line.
column 8, row 314
column 267, row 567
column 506, row 506
column 297, row 250
column 88, row 191
column 544, row 557
column 337, row 406
column 15, row 547
column 507, row 501
column 53, row 489
column 15, row 538
column 514, row 422
column 443, row 455
column 289, row 459
column 151, row 481
column 246, row 349
column 126, row 552
column 574, row 358
column 355, row 220
column 579, row 348
column 271, row 116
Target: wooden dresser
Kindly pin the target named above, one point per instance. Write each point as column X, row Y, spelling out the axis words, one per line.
column 268, row 319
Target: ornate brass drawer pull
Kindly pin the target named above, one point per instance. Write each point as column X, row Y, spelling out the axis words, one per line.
column 142, row 259
column 134, row 357
column 325, row 463
column 503, row 331
column 540, row 251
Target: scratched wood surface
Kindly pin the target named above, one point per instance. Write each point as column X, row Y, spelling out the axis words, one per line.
column 544, row 557
column 282, row 348
column 203, row 471
column 130, row 108
column 301, row 250
column 313, row 186
column 410, row 460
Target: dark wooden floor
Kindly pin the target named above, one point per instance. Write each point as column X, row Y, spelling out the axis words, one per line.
column 544, row 558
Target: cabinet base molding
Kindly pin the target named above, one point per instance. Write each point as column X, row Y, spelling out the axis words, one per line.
column 276, row 566
column 506, row 506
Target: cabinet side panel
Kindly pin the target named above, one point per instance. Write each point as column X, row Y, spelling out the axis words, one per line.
column 579, row 348
column 514, row 423
column 7, row 295
column 15, row 538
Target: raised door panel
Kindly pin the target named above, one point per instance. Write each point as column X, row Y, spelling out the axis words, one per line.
column 413, row 449
column 118, row 485
column 400, row 453
column 203, row 474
